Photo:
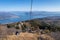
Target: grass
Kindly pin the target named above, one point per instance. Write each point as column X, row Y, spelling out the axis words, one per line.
column 27, row 36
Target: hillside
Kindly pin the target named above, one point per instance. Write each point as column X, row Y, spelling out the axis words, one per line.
column 7, row 15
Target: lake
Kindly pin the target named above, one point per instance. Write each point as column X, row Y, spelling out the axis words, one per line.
column 23, row 16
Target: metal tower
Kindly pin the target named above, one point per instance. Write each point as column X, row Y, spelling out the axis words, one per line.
column 31, row 9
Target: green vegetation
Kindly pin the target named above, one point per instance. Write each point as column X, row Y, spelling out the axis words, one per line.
column 17, row 27
column 10, row 26
column 47, row 27
column 36, row 24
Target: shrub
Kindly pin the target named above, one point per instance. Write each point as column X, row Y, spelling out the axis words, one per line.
column 17, row 27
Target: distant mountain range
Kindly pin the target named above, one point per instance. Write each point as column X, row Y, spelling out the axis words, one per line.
column 7, row 17
column 52, row 20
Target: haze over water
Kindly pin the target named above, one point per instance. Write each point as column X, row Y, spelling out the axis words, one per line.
column 20, row 9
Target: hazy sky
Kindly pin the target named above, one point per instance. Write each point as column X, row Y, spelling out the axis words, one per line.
column 24, row 5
